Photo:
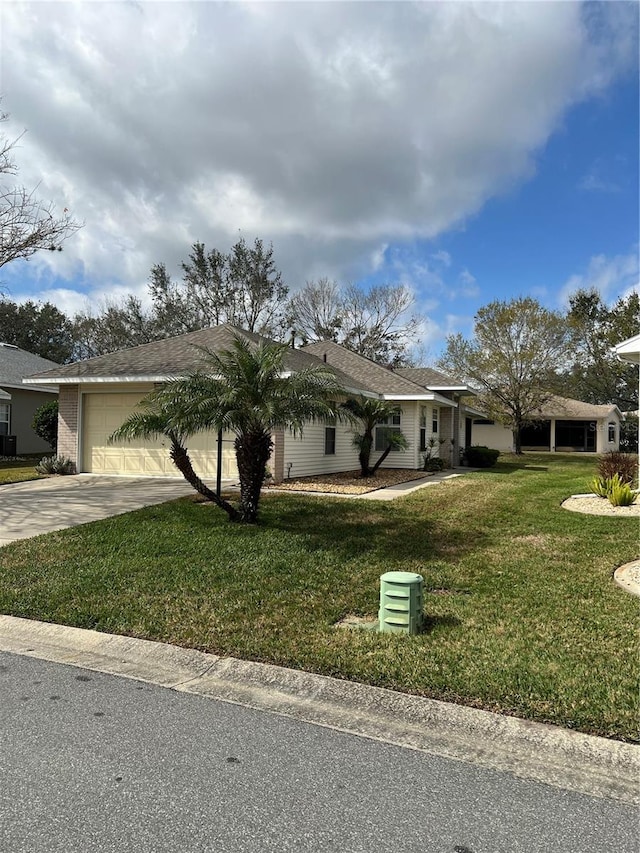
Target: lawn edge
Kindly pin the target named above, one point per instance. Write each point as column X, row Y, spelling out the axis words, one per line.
column 540, row 752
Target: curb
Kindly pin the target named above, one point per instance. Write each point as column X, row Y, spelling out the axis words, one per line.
column 537, row 751
column 628, row 577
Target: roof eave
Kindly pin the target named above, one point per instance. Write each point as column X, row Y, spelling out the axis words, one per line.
column 430, row 398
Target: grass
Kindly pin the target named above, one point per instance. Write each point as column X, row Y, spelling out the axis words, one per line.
column 20, row 469
column 523, row 617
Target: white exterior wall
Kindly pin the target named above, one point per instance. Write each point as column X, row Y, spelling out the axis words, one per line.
column 410, row 428
column 304, row 454
column 495, row 436
column 602, row 437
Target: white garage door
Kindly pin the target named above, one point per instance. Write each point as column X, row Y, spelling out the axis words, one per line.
column 103, row 413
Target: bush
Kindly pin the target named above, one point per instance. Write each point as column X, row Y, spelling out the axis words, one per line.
column 56, row 465
column 615, row 489
column 45, row 423
column 478, row 456
column 600, row 487
column 620, row 493
column 613, row 463
column 434, row 464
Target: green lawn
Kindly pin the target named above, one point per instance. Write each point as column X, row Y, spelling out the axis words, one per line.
column 522, row 614
column 23, row 468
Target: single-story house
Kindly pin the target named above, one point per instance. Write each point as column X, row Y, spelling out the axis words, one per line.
column 96, row 395
column 562, row 425
column 19, row 400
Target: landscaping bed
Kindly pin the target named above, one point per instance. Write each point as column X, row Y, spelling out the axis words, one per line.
column 522, row 614
column 350, row 482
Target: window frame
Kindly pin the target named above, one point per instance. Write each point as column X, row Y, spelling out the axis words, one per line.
column 5, row 409
column 330, row 440
column 384, row 426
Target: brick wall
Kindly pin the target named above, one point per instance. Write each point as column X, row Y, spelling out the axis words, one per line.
column 68, row 401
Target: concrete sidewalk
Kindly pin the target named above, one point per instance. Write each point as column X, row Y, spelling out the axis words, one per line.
column 388, row 493
column 565, row 759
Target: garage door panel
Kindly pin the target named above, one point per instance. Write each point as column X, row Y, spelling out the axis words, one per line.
column 104, row 412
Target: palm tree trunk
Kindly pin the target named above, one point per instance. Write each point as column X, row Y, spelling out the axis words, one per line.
column 253, row 451
column 365, row 454
column 182, row 462
column 381, row 460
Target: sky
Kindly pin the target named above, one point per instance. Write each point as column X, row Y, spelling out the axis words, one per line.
column 472, row 151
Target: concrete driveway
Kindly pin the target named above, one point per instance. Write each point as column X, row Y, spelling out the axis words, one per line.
column 41, row 506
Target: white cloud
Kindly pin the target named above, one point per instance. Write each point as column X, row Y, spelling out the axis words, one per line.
column 612, row 277
column 469, row 285
column 442, row 257
column 330, row 129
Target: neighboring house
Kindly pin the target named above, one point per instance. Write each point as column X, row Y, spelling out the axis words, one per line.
column 20, row 401
column 97, row 395
column 562, row 425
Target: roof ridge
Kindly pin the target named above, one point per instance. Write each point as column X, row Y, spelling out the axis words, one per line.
column 387, row 371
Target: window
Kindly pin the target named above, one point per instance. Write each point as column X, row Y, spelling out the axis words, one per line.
column 423, row 427
column 385, row 426
column 612, row 433
column 329, row 441
column 434, row 420
column 5, row 412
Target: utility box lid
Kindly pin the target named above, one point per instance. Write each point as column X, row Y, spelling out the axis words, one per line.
column 401, row 577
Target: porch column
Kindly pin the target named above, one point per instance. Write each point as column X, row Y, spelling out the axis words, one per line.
column 68, row 420
column 455, row 434
column 552, row 435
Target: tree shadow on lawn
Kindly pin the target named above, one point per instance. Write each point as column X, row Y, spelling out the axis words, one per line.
column 354, row 530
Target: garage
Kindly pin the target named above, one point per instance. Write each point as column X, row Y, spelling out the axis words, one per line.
column 103, row 412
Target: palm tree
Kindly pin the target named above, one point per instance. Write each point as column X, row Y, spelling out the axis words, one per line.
column 244, row 390
column 370, row 412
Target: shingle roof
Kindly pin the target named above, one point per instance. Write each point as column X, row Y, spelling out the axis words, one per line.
column 16, row 364
column 172, row 357
column 430, row 378
column 369, row 375
column 568, row 409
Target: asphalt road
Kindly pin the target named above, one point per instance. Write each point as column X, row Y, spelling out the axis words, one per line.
column 93, row 762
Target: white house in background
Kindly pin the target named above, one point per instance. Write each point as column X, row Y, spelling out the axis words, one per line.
column 97, row 395
column 562, row 426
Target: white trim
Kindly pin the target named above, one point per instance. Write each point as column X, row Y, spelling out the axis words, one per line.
column 28, row 386
column 4, row 395
column 431, row 398
column 80, row 380
column 629, row 350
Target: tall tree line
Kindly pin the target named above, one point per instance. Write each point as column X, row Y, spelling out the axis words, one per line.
column 243, row 288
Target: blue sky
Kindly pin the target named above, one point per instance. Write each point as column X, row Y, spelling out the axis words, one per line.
column 472, row 151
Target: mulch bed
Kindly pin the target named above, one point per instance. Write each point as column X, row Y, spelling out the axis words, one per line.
column 350, row 482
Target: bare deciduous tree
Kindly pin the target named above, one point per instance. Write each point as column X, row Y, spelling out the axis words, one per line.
column 376, row 323
column 27, row 224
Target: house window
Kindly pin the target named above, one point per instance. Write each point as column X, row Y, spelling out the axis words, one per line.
column 434, row 420
column 384, row 427
column 5, row 415
column 330, row 441
column 423, row 427
column 612, row 433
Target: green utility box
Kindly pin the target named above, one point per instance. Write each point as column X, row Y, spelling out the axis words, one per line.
column 400, row 603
